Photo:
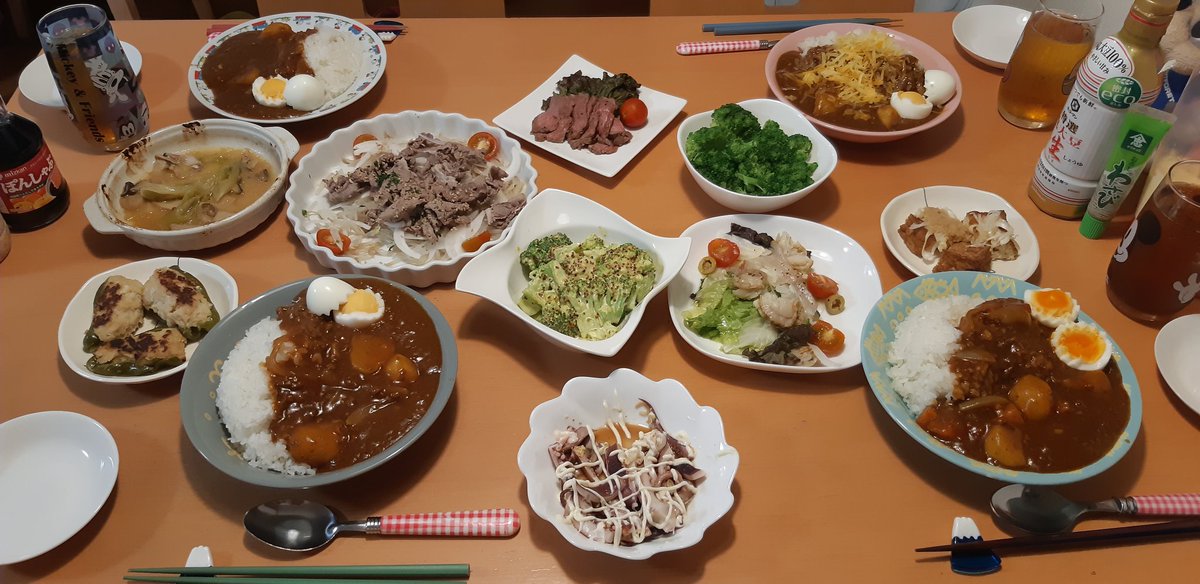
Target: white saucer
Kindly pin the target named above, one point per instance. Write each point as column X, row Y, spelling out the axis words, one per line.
column 990, row 32
column 56, row 471
column 1175, row 352
column 37, row 82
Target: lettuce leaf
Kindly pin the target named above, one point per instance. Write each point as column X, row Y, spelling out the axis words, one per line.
column 721, row 316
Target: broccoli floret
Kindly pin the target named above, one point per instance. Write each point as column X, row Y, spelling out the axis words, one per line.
column 562, row 321
column 752, row 160
column 541, row 250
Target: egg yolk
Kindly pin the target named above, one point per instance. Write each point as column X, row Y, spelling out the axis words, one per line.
column 1083, row 344
column 913, row 97
column 360, row 301
column 273, row 88
column 1053, row 301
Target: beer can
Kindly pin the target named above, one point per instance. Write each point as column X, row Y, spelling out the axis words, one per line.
column 103, row 96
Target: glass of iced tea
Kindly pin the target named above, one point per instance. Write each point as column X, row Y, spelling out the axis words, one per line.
column 1041, row 71
column 1155, row 271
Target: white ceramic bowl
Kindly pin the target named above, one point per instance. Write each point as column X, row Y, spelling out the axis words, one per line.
column 59, row 468
column 307, row 189
column 77, row 317
column 990, row 32
column 276, row 146
column 959, row 200
column 591, row 401
column 1175, row 352
column 792, row 122
column 496, row 276
column 834, row 254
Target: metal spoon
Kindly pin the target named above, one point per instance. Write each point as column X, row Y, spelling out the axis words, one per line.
column 303, row 526
column 1041, row 510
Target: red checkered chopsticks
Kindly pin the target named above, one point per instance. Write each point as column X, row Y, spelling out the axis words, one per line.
column 711, row 47
column 485, row 523
column 1167, row 504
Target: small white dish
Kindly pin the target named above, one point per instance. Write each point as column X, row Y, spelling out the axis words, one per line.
column 58, row 470
column 76, row 319
column 37, row 80
column 792, row 122
column 959, row 200
column 990, row 32
column 590, row 401
column 307, row 191
column 497, row 276
column 834, row 254
column 661, row 109
column 1175, row 352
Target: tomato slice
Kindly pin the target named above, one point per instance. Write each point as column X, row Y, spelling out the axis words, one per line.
column 633, row 113
column 725, row 252
column 822, row 287
column 485, row 143
column 476, row 242
column 339, row 245
column 828, row 339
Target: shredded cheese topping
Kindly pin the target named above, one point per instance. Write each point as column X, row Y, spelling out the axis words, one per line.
column 854, row 66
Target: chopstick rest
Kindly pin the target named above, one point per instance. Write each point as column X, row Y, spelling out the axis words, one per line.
column 971, row 563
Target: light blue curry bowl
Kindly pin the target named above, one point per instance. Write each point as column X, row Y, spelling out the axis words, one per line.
column 880, row 330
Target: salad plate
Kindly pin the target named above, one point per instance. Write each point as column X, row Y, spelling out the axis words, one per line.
column 834, row 254
column 661, row 109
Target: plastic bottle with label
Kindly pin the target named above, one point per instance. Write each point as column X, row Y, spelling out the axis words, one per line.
column 33, row 193
column 1121, row 71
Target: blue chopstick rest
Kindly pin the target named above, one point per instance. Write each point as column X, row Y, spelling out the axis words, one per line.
column 975, row 563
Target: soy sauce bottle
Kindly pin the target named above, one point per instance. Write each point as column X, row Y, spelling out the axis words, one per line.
column 33, row 193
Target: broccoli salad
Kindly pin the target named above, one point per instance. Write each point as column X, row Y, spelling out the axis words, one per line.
column 738, row 154
column 584, row 289
column 761, row 298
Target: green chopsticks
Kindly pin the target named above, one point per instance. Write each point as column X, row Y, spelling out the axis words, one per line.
column 305, row 574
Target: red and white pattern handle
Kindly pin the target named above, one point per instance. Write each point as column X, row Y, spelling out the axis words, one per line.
column 710, row 47
column 1167, row 504
column 485, row 523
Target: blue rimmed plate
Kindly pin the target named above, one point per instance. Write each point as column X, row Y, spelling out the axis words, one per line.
column 369, row 72
column 880, row 330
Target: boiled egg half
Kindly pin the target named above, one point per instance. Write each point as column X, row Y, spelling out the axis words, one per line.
column 939, row 87
column 304, row 92
column 1081, row 346
column 268, row 91
column 350, row 306
column 1052, row 307
column 911, row 105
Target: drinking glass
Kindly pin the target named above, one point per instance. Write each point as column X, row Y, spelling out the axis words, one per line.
column 1042, row 68
column 1155, row 271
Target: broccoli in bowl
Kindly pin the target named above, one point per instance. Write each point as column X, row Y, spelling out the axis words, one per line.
column 584, row 289
column 739, row 154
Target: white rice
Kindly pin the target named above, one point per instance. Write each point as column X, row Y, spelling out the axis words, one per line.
column 810, row 42
column 334, row 58
column 245, row 404
column 919, row 356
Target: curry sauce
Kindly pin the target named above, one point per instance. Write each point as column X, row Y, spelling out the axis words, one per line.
column 231, row 68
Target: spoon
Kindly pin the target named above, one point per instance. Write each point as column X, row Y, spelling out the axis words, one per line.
column 1041, row 510
column 303, row 526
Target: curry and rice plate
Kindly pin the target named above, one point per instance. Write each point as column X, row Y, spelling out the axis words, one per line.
column 337, row 376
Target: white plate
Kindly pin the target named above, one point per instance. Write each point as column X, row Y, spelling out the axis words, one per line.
column 58, row 469
column 1175, row 352
column 370, row 70
column 496, row 275
column 591, row 401
column 834, row 254
column 76, row 319
column 661, row 109
column 37, row 81
column 959, row 200
column 990, row 32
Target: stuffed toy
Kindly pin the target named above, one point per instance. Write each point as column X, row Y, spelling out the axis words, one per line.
column 1181, row 47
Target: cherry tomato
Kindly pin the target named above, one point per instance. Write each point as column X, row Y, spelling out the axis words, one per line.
column 485, row 143
column 633, row 113
column 828, row 339
column 725, row 252
column 476, row 242
column 364, row 138
column 822, row 287
column 338, row 246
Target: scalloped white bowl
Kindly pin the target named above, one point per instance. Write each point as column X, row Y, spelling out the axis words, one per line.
column 496, row 275
column 592, row 400
column 307, row 185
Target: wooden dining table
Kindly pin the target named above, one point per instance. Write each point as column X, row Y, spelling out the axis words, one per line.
column 830, row 489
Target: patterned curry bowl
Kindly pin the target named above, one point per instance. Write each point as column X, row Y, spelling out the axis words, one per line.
column 880, row 331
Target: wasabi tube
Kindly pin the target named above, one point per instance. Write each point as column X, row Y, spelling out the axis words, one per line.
column 1141, row 131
